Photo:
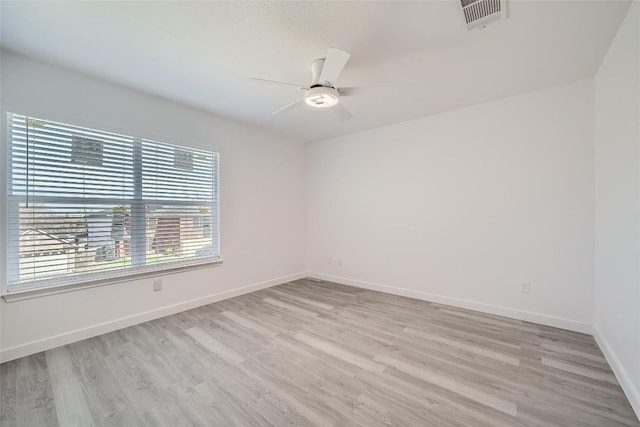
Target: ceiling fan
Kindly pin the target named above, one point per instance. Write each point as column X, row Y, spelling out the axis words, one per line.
column 322, row 92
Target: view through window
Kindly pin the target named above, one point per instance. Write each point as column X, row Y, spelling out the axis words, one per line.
column 84, row 204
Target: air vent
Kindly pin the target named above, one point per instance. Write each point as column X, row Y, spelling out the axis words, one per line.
column 478, row 13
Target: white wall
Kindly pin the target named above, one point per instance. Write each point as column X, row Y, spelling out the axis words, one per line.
column 617, row 192
column 262, row 199
column 463, row 207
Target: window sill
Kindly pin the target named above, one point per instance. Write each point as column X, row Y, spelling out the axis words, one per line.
column 78, row 286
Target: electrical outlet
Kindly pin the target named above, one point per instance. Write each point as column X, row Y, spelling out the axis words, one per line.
column 525, row 287
column 157, row 285
column 335, row 261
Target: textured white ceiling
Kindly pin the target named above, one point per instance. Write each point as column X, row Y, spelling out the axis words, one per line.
column 412, row 58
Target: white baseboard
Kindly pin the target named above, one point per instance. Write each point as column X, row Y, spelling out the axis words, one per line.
column 543, row 319
column 618, row 369
column 113, row 325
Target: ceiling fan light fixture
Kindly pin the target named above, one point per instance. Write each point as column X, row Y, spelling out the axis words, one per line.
column 322, row 97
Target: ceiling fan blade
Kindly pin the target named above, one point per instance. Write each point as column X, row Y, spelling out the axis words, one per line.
column 349, row 91
column 341, row 112
column 333, row 65
column 293, row 105
column 276, row 82
column 359, row 90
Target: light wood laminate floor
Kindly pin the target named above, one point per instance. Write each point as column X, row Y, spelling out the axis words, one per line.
column 306, row 353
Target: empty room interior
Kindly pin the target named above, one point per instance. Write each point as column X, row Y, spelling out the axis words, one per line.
column 345, row 213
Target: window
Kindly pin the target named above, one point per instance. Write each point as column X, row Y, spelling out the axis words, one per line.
column 85, row 205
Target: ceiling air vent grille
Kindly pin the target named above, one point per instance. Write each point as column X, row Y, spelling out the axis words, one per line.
column 477, row 13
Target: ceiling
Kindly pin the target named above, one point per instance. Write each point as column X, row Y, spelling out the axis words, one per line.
column 411, row 59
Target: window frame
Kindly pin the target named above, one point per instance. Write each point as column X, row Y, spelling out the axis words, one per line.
column 58, row 284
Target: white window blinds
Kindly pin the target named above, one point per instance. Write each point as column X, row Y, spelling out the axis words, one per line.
column 84, row 204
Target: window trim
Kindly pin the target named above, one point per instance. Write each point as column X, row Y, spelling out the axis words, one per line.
column 35, row 288
column 24, row 294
